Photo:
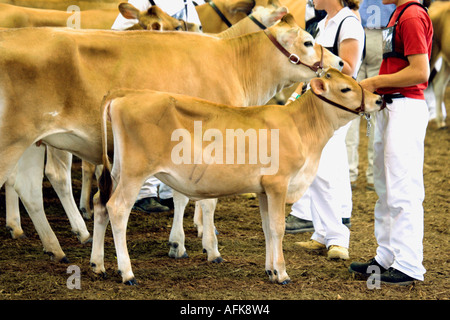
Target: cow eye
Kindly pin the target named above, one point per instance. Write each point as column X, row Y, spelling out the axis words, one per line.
column 346, row 90
column 308, row 44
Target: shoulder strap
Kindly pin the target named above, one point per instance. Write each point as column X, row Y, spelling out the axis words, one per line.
column 336, row 38
column 406, row 7
column 152, row 2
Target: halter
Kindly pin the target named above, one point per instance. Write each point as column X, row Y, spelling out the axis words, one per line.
column 361, row 110
column 228, row 23
column 295, row 59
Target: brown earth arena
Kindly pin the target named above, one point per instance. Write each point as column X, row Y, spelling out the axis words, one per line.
column 27, row 273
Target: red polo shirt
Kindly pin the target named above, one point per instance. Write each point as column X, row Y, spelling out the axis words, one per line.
column 413, row 35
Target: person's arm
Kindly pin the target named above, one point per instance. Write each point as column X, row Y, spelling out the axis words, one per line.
column 349, row 53
column 417, row 72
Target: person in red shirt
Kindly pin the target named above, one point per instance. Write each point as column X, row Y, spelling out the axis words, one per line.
column 399, row 146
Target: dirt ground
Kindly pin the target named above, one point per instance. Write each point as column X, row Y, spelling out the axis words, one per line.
column 26, row 273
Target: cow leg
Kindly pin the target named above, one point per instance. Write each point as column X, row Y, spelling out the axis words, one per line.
column 88, row 170
column 273, row 221
column 101, row 220
column 439, row 86
column 58, row 172
column 198, row 219
column 12, row 209
column 209, row 238
column 119, row 208
column 28, row 185
column 176, row 238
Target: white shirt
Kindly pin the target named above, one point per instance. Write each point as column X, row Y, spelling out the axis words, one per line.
column 350, row 29
column 174, row 8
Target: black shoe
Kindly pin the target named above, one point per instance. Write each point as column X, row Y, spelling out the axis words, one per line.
column 149, row 205
column 346, row 222
column 362, row 267
column 394, row 276
column 167, row 202
column 297, row 225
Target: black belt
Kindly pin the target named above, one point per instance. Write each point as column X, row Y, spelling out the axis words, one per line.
column 388, row 97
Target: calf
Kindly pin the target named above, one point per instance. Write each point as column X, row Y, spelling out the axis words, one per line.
column 155, row 121
column 81, row 65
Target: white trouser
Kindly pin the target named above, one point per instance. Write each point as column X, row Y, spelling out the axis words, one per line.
column 369, row 68
column 329, row 198
column 150, row 189
column 398, row 174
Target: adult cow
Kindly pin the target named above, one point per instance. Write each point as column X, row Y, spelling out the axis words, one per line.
column 440, row 16
column 81, row 65
column 155, row 121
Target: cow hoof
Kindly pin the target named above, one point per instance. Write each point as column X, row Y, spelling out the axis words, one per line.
column 86, row 215
column 217, row 260
column 64, row 260
column 174, row 252
column 131, row 282
column 89, row 240
column 285, row 282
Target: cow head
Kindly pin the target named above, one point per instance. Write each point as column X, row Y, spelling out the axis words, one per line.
column 154, row 19
column 268, row 16
column 302, row 48
column 344, row 95
column 246, row 6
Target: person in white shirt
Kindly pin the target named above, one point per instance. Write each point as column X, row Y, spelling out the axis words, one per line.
column 147, row 200
column 329, row 200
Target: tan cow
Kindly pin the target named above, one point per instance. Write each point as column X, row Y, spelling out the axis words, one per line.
column 439, row 13
column 58, row 163
column 12, row 16
column 81, row 65
column 190, row 144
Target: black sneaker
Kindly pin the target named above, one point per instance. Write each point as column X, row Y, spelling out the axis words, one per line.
column 346, row 222
column 167, row 202
column 394, row 276
column 149, row 205
column 362, row 267
column 297, row 225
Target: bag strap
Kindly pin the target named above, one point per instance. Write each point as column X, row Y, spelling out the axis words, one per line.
column 336, row 39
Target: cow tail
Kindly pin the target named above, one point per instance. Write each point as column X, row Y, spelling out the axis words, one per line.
column 105, row 180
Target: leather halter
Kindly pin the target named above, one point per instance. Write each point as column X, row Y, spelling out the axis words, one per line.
column 228, row 23
column 293, row 58
column 221, row 15
column 361, row 110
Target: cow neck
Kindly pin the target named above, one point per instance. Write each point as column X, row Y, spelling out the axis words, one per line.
column 313, row 123
column 246, row 25
column 258, row 64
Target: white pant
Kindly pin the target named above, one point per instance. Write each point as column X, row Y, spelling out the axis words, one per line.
column 150, row 189
column 398, row 175
column 329, row 198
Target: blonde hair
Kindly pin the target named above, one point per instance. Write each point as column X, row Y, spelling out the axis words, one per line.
column 352, row 4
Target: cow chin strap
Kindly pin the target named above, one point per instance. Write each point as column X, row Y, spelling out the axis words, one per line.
column 361, row 110
column 295, row 59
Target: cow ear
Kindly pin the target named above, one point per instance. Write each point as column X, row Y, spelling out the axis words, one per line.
column 318, row 86
column 289, row 19
column 245, row 6
column 275, row 16
column 128, row 11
